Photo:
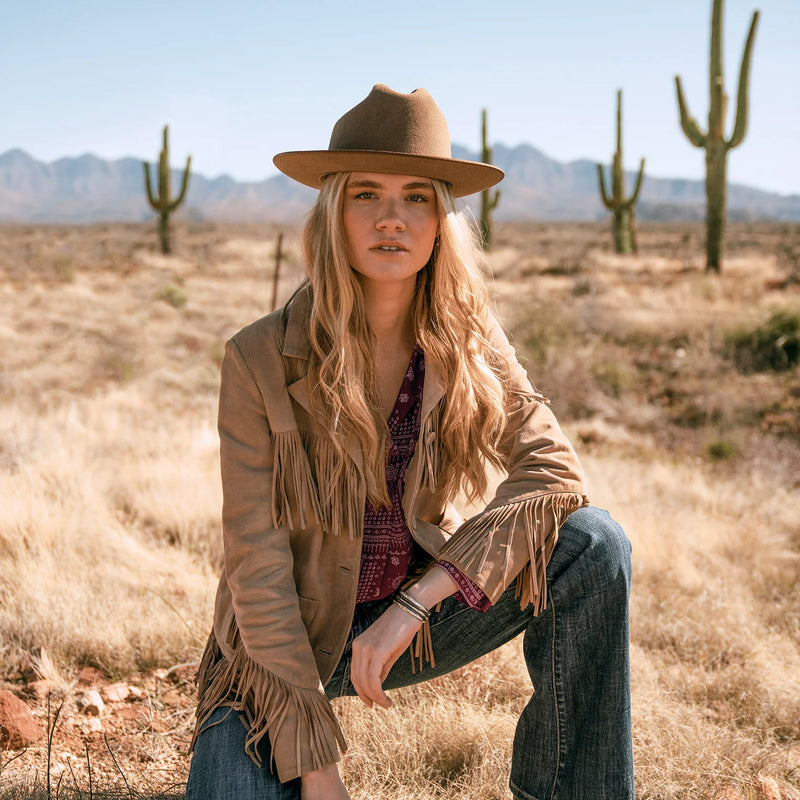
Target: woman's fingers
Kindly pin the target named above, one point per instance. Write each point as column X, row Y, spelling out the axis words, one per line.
column 375, row 652
column 366, row 674
column 323, row 784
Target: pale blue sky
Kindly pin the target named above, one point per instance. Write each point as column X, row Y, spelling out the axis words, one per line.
column 240, row 81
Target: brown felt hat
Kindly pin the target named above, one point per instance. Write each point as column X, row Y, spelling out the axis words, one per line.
column 402, row 134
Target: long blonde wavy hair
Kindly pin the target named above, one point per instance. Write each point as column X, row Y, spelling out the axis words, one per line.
column 450, row 319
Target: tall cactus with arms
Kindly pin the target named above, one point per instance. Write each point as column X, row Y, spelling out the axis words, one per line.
column 624, row 228
column 163, row 203
column 488, row 200
column 714, row 142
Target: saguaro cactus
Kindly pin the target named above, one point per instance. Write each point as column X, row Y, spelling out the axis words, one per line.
column 714, row 142
column 163, row 203
column 624, row 227
column 489, row 200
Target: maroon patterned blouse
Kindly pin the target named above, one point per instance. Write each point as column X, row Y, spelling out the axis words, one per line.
column 388, row 551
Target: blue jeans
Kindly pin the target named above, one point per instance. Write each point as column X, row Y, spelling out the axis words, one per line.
column 573, row 738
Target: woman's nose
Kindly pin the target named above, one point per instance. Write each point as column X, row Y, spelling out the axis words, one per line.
column 390, row 218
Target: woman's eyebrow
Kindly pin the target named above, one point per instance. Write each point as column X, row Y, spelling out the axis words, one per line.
column 365, row 184
column 368, row 184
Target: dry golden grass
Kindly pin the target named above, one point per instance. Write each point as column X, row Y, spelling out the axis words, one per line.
column 109, row 532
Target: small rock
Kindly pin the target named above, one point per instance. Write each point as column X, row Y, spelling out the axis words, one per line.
column 116, row 692
column 90, row 725
column 135, row 693
column 769, row 787
column 90, row 702
column 171, row 698
column 18, row 728
column 90, row 675
column 129, row 712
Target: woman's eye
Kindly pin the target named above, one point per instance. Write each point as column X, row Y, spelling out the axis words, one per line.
column 365, row 195
column 418, row 198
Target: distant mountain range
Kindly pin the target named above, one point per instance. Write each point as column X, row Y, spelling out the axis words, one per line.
column 88, row 189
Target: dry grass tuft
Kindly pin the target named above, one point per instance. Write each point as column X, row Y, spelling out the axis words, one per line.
column 428, row 746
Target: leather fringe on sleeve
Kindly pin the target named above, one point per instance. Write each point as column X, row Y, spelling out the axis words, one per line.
column 268, row 703
column 538, row 517
column 307, row 475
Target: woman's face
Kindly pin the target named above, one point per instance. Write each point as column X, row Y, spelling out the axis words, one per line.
column 390, row 222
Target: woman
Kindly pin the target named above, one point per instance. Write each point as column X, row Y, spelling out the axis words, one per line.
column 349, row 422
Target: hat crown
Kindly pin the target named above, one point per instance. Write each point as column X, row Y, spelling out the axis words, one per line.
column 395, row 133
column 392, row 122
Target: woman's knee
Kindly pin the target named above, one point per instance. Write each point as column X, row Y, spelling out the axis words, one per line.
column 602, row 540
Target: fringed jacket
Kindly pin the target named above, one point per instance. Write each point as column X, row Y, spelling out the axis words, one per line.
column 292, row 539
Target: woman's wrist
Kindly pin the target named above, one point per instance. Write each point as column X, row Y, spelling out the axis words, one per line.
column 411, row 606
column 330, row 772
column 433, row 587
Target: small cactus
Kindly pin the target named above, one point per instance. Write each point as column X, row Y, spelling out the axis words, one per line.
column 624, row 224
column 714, row 142
column 163, row 203
column 489, row 200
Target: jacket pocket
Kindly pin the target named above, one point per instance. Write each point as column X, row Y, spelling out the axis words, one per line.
column 308, row 608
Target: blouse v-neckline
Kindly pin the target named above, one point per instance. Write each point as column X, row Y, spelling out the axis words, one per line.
column 410, row 389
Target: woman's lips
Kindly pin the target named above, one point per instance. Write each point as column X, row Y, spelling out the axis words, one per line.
column 388, row 247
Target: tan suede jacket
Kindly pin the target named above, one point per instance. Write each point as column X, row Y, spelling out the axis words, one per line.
column 292, row 534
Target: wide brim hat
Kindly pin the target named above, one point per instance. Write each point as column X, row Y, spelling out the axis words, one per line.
column 401, row 134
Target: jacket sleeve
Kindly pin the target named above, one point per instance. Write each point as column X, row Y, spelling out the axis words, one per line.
column 268, row 661
column 514, row 536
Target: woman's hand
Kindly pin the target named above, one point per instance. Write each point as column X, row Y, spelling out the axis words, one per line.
column 376, row 650
column 323, row 784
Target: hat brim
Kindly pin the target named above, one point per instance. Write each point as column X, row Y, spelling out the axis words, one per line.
column 310, row 167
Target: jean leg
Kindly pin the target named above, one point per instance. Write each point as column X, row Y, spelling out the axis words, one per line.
column 222, row 770
column 573, row 739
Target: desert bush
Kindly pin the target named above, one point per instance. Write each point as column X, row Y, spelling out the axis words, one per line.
column 772, row 346
column 173, row 294
column 721, row 449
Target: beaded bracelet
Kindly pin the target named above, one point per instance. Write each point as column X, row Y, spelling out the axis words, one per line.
column 412, row 606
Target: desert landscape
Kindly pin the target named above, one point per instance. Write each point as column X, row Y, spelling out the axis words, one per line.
column 680, row 390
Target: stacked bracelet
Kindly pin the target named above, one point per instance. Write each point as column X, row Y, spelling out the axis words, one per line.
column 412, row 606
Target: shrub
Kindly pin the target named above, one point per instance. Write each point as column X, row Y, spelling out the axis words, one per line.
column 772, row 346
column 721, row 450
column 173, row 295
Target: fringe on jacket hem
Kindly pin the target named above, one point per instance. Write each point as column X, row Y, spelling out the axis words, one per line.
column 267, row 702
column 538, row 517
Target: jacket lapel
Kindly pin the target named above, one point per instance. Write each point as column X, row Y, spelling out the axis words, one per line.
column 296, row 345
column 432, row 389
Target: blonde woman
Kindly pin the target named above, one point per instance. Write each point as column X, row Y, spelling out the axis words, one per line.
column 350, row 421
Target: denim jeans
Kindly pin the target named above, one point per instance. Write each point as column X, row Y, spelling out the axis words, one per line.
column 573, row 738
